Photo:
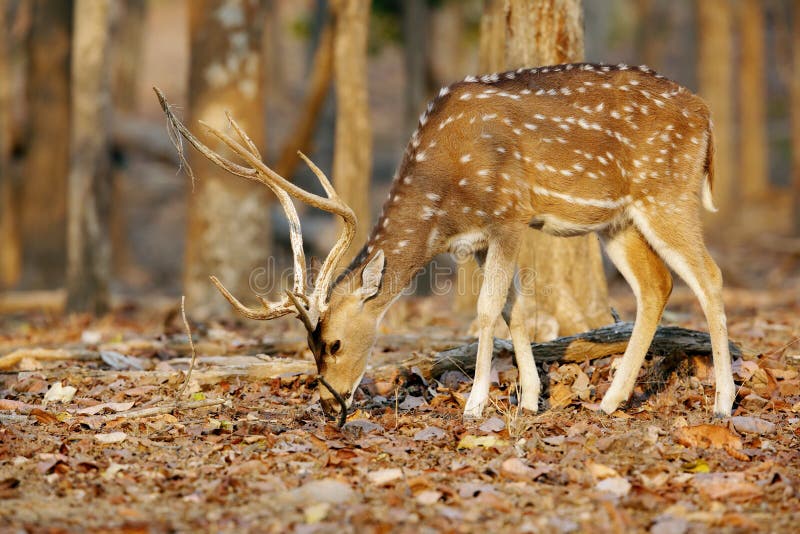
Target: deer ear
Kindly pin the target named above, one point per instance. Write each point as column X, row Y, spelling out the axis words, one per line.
column 371, row 276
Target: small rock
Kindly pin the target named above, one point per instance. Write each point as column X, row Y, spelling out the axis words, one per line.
column 753, row 425
column 429, row 433
column 617, row 486
column 411, row 402
column 493, row 424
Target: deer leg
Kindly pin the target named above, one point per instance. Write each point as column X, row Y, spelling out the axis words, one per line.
column 687, row 255
column 651, row 283
column 529, row 383
column 497, row 275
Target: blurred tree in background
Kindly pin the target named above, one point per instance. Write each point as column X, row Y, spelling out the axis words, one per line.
column 227, row 228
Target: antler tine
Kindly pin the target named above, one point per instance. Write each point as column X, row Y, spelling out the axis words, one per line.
column 271, row 310
column 231, row 167
column 332, row 204
column 264, row 174
column 325, row 276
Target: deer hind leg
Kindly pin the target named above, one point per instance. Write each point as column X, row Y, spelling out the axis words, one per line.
column 651, row 283
column 498, row 271
column 685, row 252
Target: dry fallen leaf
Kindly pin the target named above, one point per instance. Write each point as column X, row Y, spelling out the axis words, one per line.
column 600, row 471
column 59, row 393
column 112, row 437
column 726, row 486
column 711, row 436
column 470, row 442
column 617, row 486
column 384, row 476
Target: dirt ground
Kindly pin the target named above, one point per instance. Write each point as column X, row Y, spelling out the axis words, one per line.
column 252, row 451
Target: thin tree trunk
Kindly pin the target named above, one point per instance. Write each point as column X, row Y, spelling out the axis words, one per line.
column 44, row 190
column 126, row 59
column 318, row 86
column 752, row 99
column 491, row 58
column 566, row 274
column 352, row 159
column 714, row 73
column 415, row 51
column 9, row 239
column 795, row 105
column 447, row 44
column 228, row 224
column 88, row 253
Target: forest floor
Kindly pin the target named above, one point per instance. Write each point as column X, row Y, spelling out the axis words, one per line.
column 254, row 453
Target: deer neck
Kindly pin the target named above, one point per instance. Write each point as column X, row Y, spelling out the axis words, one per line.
column 407, row 249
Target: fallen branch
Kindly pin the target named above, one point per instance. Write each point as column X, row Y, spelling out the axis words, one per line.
column 167, row 408
column 669, row 342
column 45, row 355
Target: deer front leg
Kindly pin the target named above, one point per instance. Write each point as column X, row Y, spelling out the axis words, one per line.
column 497, row 275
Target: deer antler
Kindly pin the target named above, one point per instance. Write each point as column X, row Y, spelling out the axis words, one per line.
column 307, row 307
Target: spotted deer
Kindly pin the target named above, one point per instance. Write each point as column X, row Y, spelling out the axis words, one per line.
column 567, row 149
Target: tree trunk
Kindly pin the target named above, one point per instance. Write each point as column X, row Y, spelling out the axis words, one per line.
column 795, row 106
column 752, row 99
column 228, row 232
column 88, row 253
column 9, row 239
column 415, row 51
column 352, row 163
column 491, row 58
column 447, row 48
column 44, row 190
column 126, row 57
column 714, row 73
column 564, row 276
column 317, row 91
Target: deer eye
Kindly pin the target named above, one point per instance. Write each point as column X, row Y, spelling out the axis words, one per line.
column 335, row 346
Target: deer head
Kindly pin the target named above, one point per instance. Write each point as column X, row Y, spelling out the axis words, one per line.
column 341, row 326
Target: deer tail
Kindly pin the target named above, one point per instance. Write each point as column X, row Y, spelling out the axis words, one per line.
column 708, row 170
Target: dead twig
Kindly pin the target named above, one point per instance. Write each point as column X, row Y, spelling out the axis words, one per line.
column 191, row 345
column 167, row 408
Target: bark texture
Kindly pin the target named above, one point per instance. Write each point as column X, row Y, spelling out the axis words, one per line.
column 752, row 101
column 563, row 277
column 352, row 158
column 88, row 247
column 228, row 232
column 9, row 239
column 714, row 74
column 44, row 190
